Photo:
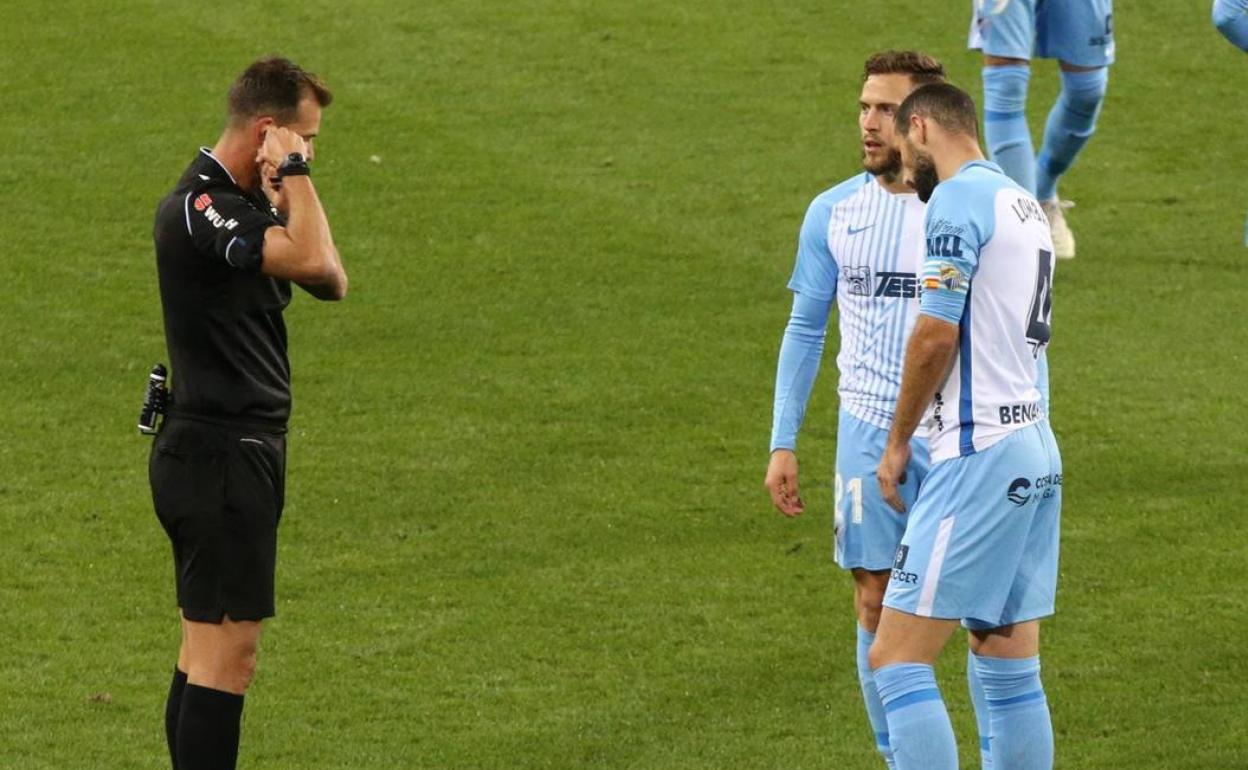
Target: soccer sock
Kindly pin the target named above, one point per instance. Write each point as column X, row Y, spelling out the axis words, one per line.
column 871, row 696
column 208, row 729
column 1071, row 123
column 173, row 706
column 1005, row 123
column 982, row 718
column 918, row 725
column 1022, row 731
column 1231, row 19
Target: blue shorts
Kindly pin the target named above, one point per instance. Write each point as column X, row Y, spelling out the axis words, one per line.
column 867, row 528
column 1079, row 32
column 982, row 541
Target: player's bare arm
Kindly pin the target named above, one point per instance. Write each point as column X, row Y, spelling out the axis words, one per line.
column 781, row 482
column 303, row 251
column 929, row 355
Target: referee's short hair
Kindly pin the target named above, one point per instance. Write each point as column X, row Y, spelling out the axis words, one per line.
column 274, row 86
column 949, row 106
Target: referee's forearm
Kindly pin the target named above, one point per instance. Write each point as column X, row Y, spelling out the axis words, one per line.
column 307, row 225
column 308, row 229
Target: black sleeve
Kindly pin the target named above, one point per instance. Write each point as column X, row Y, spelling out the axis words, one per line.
column 226, row 225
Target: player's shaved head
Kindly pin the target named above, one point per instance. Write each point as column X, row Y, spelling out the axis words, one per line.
column 945, row 104
column 921, row 68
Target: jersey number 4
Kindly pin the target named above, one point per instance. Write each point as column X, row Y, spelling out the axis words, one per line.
column 1038, row 330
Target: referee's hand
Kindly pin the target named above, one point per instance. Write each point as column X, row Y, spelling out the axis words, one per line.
column 781, row 482
column 892, row 473
column 278, row 143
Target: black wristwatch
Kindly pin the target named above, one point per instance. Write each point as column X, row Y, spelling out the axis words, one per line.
column 294, row 165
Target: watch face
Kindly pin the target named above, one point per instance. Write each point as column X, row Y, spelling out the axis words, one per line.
column 294, row 157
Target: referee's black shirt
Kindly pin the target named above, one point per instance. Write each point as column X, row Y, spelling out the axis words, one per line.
column 223, row 318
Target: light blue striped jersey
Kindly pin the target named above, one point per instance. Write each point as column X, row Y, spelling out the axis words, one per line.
column 863, row 246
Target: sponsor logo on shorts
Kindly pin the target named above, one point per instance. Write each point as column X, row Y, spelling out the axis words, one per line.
column 1018, row 493
column 899, row 567
column 859, row 279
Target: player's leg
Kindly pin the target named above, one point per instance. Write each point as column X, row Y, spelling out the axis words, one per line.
column 867, row 533
column 1079, row 34
column 983, row 717
column 1070, row 125
column 906, row 647
column 1231, row 19
column 869, row 587
column 1007, row 658
column 1006, row 35
column 1007, row 661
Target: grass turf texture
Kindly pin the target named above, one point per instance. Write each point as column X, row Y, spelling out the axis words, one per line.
column 525, row 523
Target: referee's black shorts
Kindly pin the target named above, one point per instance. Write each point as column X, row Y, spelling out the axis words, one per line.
column 218, row 489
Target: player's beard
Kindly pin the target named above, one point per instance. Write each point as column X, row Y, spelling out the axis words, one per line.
column 923, row 177
column 888, row 167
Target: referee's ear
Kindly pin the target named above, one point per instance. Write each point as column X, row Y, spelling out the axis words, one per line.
column 259, row 127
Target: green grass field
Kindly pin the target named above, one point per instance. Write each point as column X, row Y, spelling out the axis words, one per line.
column 526, row 525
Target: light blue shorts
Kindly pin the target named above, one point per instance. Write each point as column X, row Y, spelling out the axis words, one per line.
column 982, row 541
column 1079, row 32
column 867, row 528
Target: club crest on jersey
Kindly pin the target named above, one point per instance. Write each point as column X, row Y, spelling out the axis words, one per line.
column 859, row 280
column 945, row 276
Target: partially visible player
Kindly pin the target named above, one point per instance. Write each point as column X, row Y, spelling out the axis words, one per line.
column 860, row 248
column 981, row 544
column 1080, row 35
column 1231, row 19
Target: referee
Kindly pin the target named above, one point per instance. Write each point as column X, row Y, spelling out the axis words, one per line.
column 241, row 225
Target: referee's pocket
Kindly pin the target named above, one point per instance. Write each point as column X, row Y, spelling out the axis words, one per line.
column 254, row 481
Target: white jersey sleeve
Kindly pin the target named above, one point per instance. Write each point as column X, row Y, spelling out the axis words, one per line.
column 989, row 269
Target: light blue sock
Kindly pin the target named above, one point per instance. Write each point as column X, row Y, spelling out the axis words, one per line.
column 1005, row 123
column 1231, row 19
column 982, row 718
column 871, row 696
column 918, row 725
column 1071, row 123
column 1022, row 731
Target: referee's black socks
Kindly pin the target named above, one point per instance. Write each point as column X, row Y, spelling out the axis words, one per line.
column 173, row 710
column 208, row 725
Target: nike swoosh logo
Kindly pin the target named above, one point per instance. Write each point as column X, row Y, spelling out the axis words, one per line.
column 852, row 231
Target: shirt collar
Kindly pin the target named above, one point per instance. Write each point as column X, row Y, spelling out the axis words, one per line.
column 983, row 164
column 208, row 154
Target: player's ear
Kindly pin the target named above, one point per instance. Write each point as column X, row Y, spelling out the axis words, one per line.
column 918, row 128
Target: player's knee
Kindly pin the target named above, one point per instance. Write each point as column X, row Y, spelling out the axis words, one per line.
column 1005, row 90
column 1083, row 93
column 870, row 605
